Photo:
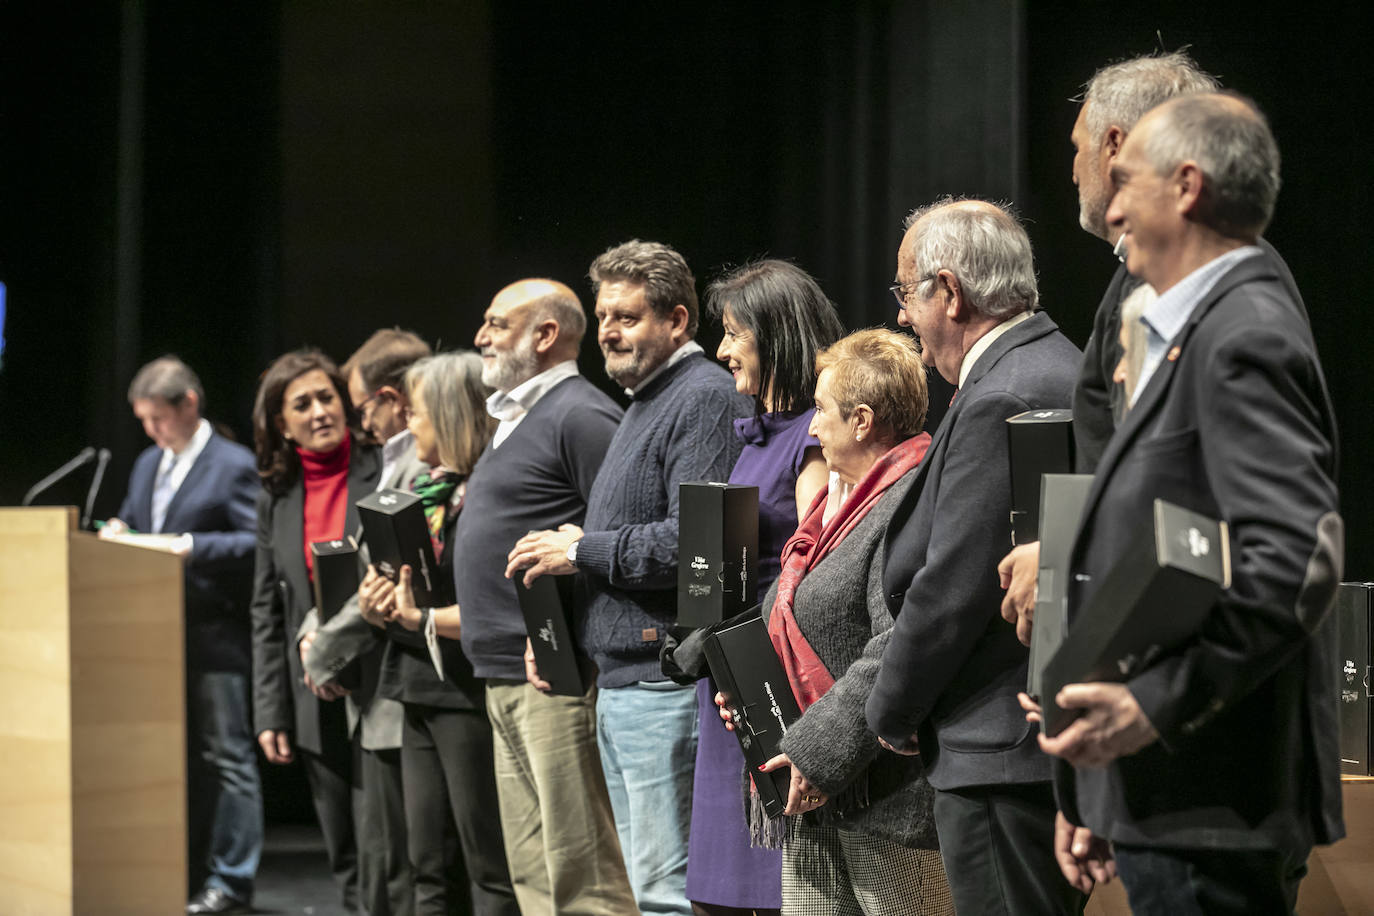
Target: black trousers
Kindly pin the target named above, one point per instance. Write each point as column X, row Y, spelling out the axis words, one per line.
column 337, row 803
column 1203, row 882
column 384, row 875
column 997, row 843
column 448, row 771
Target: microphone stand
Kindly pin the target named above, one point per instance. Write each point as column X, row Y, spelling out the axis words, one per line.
column 83, row 458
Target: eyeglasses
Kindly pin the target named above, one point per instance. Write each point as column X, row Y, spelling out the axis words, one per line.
column 898, row 290
column 362, row 407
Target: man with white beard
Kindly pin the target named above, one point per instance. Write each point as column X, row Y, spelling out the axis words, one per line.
column 554, row 428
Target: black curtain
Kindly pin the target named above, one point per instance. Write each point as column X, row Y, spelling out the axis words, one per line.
column 227, row 182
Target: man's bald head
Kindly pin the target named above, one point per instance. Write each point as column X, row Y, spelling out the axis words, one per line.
column 530, row 326
column 1229, row 141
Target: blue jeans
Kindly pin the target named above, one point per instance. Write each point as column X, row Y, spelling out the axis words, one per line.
column 647, row 735
column 1204, row 882
column 222, row 781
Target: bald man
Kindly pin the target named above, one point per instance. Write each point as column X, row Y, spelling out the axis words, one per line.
column 554, row 428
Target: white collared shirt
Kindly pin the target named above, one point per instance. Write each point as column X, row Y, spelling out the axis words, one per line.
column 677, row 356
column 1165, row 317
column 980, row 346
column 510, row 407
column 393, row 450
column 178, row 465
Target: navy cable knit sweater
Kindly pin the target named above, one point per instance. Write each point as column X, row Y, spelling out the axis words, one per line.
column 679, row 427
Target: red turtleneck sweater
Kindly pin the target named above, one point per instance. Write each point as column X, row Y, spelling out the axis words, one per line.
column 325, row 475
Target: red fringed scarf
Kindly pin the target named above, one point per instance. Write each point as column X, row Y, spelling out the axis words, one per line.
column 813, row 541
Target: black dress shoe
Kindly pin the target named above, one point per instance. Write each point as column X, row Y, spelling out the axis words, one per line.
column 214, row 900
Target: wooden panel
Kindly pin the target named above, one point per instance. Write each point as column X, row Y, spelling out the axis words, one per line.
column 128, row 729
column 35, row 719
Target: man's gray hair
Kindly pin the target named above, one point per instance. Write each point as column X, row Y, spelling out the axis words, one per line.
column 168, row 379
column 1121, row 93
column 1230, row 140
column 987, row 249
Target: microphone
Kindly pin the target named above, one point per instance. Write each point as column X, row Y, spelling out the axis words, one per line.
column 85, row 457
column 102, row 459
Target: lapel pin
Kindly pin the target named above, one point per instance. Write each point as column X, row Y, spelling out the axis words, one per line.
column 1173, row 354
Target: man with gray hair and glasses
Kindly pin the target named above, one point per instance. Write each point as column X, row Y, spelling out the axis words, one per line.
column 1214, row 770
column 947, row 685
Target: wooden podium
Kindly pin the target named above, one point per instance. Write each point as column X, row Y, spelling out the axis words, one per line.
column 92, row 722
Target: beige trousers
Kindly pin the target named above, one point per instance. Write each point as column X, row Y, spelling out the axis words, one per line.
column 560, row 834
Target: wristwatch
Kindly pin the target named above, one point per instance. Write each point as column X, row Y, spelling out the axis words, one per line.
column 572, row 551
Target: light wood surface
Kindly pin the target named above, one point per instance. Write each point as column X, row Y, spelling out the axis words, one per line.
column 92, row 733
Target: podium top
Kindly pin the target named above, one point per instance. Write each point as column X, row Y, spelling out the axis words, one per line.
column 32, row 520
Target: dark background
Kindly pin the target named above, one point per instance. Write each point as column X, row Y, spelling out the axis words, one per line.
column 227, row 181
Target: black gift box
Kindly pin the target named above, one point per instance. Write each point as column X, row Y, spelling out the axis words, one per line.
column 1038, row 442
column 749, row 675
column 718, row 547
column 548, row 621
column 1154, row 597
column 336, row 575
column 1062, row 497
column 1353, row 607
column 396, row 533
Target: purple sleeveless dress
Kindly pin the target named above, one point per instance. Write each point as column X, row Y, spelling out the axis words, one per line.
column 722, row 868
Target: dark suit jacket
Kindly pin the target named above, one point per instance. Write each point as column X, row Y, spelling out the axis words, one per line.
column 282, row 596
column 953, row 667
column 1098, row 402
column 214, row 504
column 1237, row 426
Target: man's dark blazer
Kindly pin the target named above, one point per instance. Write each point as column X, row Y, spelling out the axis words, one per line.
column 1098, row 402
column 1236, row 423
column 214, row 504
column 953, row 667
column 281, row 598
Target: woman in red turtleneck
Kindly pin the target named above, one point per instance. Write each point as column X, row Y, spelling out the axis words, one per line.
column 313, row 471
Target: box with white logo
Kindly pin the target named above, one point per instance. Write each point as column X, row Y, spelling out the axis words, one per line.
column 1038, row 442
column 396, row 534
column 1154, row 597
column 1354, row 602
column 336, row 575
column 717, row 553
column 547, row 608
column 749, row 675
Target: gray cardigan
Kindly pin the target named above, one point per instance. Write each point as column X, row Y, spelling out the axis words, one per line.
column 840, row 609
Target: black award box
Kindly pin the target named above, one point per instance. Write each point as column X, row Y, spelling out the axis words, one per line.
column 718, row 546
column 336, row 575
column 395, row 532
column 1038, row 442
column 1062, row 497
column 749, row 675
column 1353, row 607
column 548, row 621
column 1155, row 596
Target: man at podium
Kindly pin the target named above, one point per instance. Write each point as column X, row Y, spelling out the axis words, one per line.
column 198, row 485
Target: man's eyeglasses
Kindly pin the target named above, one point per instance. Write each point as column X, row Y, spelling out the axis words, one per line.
column 898, row 290
column 363, row 406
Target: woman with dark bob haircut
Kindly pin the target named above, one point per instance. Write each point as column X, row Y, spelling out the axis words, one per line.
column 313, row 470
column 776, row 319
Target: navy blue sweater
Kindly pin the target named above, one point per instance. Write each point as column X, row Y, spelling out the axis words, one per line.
column 679, row 427
column 539, row 478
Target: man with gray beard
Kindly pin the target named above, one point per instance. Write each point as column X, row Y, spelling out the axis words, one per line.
column 553, row 431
